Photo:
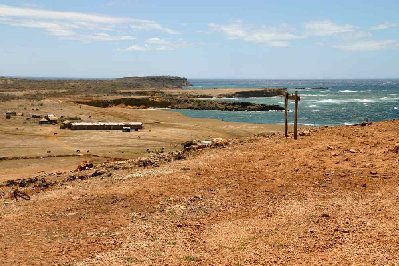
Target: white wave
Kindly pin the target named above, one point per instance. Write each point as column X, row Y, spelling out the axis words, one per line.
column 315, row 110
column 347, row 91
column 339, row 101
column 314, row 95
column 387, row 83
column 312, row 106
column 161, row 108
column 362, row 101
column 396, row 108
column 331, row 101
column 348, row 124
column 389, row 99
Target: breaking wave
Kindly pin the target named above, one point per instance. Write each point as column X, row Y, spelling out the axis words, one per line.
column 347, row 91
column 340, row 101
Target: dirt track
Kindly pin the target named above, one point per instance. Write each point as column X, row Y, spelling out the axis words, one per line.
column 328, row 198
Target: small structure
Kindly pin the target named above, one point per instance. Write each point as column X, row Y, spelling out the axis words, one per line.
column 65, row 124
column 48, row 119
column 44, row 121
column 102, row 125
column 11, row 113
column 295, row 97
column 52, row 119
column 126, row 129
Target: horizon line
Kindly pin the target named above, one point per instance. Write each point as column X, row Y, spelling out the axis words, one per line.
column 192, row 78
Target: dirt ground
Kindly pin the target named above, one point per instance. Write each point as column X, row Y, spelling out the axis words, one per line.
column 328, row 198
column 50, row 149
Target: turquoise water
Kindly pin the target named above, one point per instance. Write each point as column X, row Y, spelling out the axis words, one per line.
column 344, row 102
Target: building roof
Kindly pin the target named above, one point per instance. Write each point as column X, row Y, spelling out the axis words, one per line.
column 108, row 123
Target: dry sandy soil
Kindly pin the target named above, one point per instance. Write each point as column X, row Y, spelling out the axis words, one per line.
column 328, row 198
column 162, row 129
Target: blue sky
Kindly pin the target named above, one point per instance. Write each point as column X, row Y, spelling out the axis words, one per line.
column 200, row 39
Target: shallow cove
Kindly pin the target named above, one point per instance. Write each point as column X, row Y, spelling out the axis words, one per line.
column 344, row 102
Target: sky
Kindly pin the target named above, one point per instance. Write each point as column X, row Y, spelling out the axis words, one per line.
column 252, row 39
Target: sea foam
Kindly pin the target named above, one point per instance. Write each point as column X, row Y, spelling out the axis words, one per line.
column 339, row 101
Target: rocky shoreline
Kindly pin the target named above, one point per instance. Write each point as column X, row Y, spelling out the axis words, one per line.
column 183, row 103
column 269, row 92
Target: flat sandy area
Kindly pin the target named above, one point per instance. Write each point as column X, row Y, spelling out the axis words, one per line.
column 330, row 198
column 162, row 129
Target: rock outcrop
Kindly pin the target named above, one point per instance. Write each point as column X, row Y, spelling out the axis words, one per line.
column 184, row 103
column 272, row 92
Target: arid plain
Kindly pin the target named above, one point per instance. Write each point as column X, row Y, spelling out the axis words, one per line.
column 245, row 195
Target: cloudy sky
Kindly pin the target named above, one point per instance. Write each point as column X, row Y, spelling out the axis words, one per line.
column 200, row 39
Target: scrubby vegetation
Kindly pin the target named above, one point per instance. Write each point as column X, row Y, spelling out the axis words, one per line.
column 46, row 88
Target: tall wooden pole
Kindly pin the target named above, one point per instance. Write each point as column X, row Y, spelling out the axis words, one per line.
column 296, row 116
column 286, row 113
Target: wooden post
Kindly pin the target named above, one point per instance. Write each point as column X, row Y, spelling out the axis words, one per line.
column 286, row 113
column 296, row 116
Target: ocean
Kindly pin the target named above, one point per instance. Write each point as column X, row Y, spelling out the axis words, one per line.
column 344, row 102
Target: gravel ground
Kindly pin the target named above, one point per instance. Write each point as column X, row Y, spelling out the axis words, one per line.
column 328, row 198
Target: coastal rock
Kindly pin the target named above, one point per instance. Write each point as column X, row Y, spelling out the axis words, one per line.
column 270, row 92
column 166, row 101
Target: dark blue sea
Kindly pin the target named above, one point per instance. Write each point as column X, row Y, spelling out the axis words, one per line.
column 344, row 102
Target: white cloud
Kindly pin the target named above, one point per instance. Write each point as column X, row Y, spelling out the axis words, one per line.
column 384, row 26
column 326, row 28
column 345, row 36
column 157, row 44
column 368, row 45
column 106, row 37
column 273, row 37
column 137, row 48
column 76, row 25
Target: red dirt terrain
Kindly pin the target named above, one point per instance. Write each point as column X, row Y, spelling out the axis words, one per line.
column 328, row 198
